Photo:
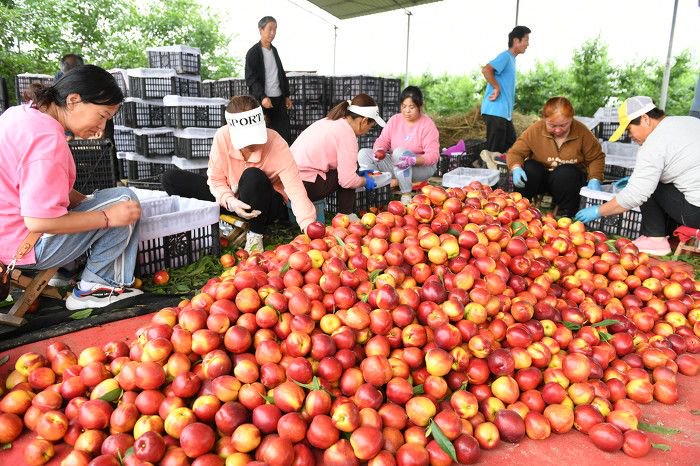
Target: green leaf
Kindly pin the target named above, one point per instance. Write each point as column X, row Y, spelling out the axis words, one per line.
column 5, row 446
column 84, row 314
column 129, row 452
column 4, row 359
column 314, row 385
column 373, row 276
column 657, row 428
column 112, row 395
column 119, row 457
column 611, row 244
column 661, row 446
column 183, row 288
column 364, row 297
column 453, row 232
column 571, row 326
column 605, row 323
column 605, row 336
column 284, row 268
column 442, row 441
column 518, row 228
column 7, row 302
column 339, row 240
column 418, row 390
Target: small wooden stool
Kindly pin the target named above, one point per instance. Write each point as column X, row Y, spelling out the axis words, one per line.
column 33, row 288
column 240, row 229
column 689, row 241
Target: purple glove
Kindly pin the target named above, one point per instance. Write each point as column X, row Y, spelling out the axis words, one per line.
column 405, row 161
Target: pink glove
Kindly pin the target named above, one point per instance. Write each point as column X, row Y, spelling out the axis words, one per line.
column 405, row 161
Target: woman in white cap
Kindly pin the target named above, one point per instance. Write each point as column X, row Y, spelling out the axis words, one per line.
column 326, row 151
column 251, row 173
column 665, row 184
column 411, row 141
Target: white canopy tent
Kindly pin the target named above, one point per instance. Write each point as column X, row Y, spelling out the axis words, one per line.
column 345, row 9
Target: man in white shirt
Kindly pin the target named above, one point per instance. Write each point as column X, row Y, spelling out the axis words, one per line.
column 665, row 183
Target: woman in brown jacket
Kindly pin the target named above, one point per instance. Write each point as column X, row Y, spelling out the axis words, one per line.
column 557, row 155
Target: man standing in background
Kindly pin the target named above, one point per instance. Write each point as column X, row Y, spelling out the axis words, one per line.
column 266, row 79
column 497, row 106
column 68, row 62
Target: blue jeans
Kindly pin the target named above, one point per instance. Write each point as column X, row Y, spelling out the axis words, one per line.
column 405, row 177
column 111, row 252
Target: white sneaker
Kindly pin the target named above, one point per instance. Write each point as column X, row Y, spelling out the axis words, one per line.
column 406, row 198
column 254, row 242
column 62, row 279
column 98, row 296
column 489, row 159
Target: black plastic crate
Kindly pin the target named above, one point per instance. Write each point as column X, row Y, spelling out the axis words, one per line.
column 628, row 224
column 94, row 168
column 194, row 143
column 469, row 158
column 388, row 110
column 4, row 98
column 183, row 59
column 154, row 142
column 208, row 88
column 24, row 80
column 122, row 80
column 614, row 173
column 295, row 131
column 139, row 113
column 391, row 90
column 364, row 201
column 124, row 139
column 366, row 141
column 178, row 250
column 347, row 87
column 305, row 113
column 605, row 129
column 229, row 87
column 186, row 86
column 306, row 88
column 151, row 84
column 200, row 113
column 152, row 183
column 505, row 180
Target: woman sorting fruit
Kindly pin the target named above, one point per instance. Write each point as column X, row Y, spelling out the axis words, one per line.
column 326, row 152
column 411, row 141
column 37, row 173
column 665, row 183
column 557, row 155
column 251, row 173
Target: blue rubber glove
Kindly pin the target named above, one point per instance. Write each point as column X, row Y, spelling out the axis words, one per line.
column 363, row 172
column 405, row 161
column 594, row 185
column 588, row 214
column 370, row 184
column 621, row 183
column 519, row 177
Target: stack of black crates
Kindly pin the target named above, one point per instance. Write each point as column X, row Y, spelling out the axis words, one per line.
column 93, row 157
column 167, row 120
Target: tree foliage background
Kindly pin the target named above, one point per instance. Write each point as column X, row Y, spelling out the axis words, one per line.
column 592, row 80
column 36, row 33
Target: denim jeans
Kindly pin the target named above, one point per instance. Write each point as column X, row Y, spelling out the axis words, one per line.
column 405, row 177
column 111, row 252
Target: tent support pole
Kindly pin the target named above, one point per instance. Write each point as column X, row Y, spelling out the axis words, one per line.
column 408, row 36
column 517, row 10
column 335, row 43
column 667, row 71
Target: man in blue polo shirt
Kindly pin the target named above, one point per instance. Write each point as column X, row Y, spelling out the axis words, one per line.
column 497, row 106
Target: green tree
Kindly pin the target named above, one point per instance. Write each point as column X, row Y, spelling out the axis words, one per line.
column 36, row 33
column 447, row 94
column 539, row 84
column 590, row 75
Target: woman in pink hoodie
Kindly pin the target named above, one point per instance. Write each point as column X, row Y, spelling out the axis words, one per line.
column 410, row 141
column 251, row 173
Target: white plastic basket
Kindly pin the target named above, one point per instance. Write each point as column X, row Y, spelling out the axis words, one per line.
column 148, row 194
column 164, row 216
column 588, row 121
column 606, row 114
column 151, row 72
column 462, row 176
column 191, row 164
column 178, row 101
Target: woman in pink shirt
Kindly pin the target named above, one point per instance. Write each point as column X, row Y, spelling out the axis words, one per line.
column 37, row 173
column 251, row 173
column 411, row 140
column 326, row 151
